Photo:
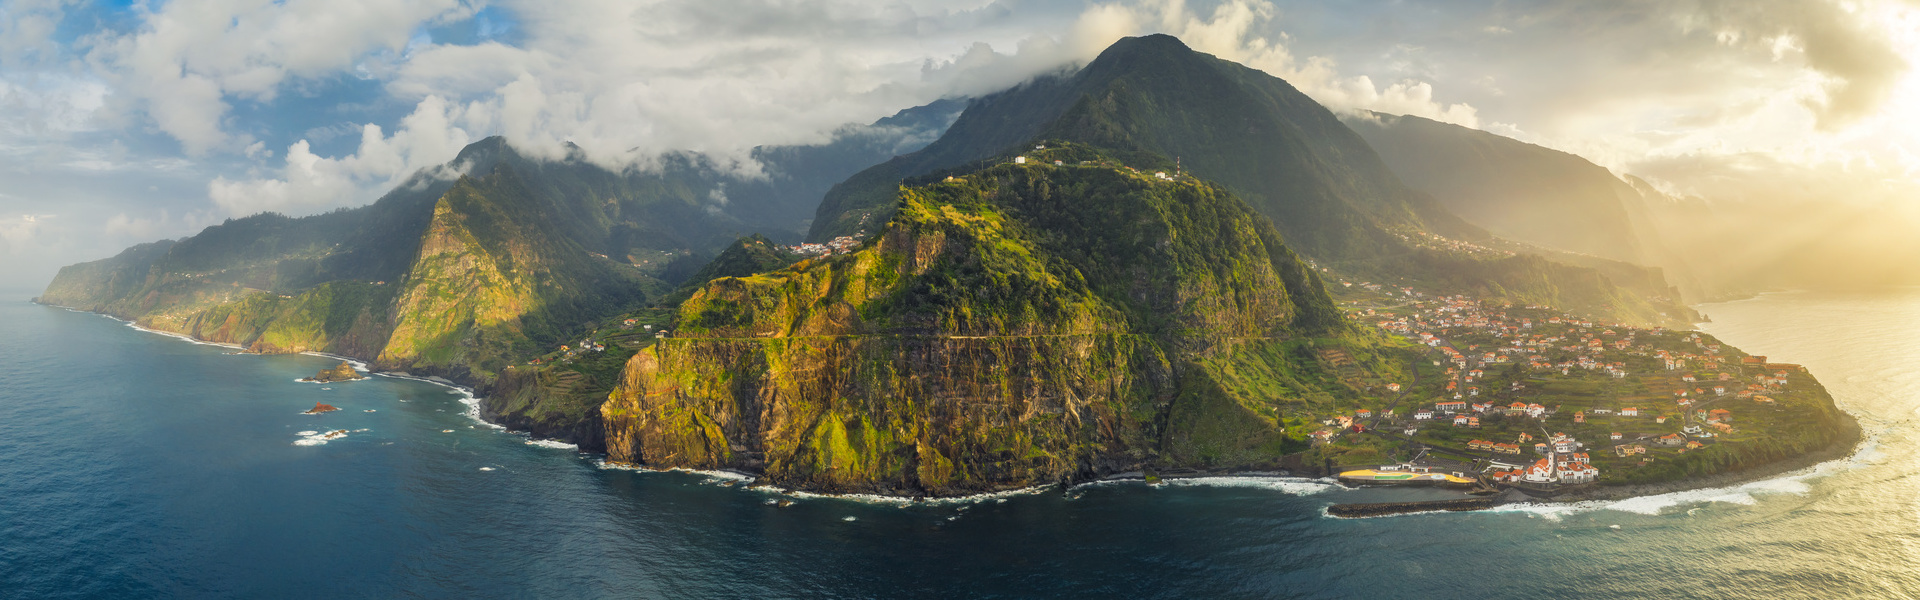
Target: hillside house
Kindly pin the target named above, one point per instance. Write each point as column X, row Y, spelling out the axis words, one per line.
column 1577, row 472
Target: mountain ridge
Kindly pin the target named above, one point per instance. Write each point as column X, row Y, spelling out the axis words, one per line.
column 1167, row 107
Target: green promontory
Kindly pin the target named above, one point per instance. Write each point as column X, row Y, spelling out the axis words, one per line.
column 1018, row 325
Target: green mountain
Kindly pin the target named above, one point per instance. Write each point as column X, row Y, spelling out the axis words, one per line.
column 1289, row 157
column 1516, row 190
column 1155, row 104
column 1535, row 195
column 449, row 277
column 463, row 276
column 1008, row 327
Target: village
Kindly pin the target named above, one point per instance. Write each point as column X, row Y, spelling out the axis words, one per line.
column 1532, row 398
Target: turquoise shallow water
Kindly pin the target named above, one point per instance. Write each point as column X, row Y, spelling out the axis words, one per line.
column 137, row 465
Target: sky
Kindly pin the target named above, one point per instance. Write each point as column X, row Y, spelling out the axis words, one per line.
column 128, row 122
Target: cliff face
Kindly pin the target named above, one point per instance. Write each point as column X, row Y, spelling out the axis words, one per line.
column 492, row 280
column 1012, row 327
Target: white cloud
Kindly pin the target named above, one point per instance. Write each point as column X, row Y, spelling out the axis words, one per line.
column 308, row 183
column 37, row 105
column 27, row 28
column 189, row 56
column 626, row 81
column 17, row 231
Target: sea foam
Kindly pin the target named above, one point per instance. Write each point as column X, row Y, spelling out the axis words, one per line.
column 554, row 444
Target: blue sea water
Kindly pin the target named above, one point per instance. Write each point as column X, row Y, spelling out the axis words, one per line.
column 135, row 465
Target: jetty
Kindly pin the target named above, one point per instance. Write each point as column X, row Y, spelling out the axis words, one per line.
column 1381, row 509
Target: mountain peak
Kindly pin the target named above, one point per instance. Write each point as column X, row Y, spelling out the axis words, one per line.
column 1144, row 52
column 1154, row 41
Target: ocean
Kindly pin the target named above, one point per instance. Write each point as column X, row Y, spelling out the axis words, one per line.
column 137, row 465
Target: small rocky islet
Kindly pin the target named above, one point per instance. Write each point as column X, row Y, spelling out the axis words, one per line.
column 343, row 372
column 320, row 407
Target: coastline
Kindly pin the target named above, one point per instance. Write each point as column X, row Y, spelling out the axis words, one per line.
column 466, row 392
column 1849, row 439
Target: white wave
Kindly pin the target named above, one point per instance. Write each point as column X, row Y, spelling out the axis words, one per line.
column 306, row 433
column 850, row 518
column 486, row 468
column 1796, row 483
column 1328, row 515
column 1744, row 494
column 467, row 398
column 737, row 477
column 1297, row 486
column 903, row 501
column 711, row 475
column 357, row 364
column 315, row 438
column 1551, row 511
column 178, row 336
column 554, row 444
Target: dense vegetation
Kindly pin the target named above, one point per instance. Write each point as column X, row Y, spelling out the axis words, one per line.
column 1011, row 326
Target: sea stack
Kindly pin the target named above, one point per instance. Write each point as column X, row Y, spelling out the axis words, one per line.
column 321, row 407
column 344, row 372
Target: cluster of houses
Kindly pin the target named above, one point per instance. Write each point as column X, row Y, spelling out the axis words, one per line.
column 1438, row 242
column 1469, row 335
column 1562, row 462
column 1571, row 469
column 839, row 245
column 572, row 350
column 1495, row 447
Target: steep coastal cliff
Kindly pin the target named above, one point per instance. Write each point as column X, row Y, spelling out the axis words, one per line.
column 1016, row 326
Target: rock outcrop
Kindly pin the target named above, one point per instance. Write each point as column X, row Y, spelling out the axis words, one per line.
column 344, row 372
